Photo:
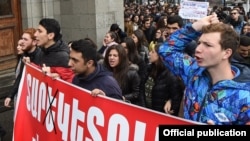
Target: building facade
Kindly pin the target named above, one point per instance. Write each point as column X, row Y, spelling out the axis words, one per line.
column 78, row 19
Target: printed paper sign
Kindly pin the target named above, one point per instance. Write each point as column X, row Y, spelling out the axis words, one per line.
column 193, row 9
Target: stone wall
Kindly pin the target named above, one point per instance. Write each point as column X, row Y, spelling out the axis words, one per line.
column 78, row 18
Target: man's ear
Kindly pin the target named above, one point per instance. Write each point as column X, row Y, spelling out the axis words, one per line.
column 51, row 35
column 90, row 63
column 34, row 42
column 228, row 53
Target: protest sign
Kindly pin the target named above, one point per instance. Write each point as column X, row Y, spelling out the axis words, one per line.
column 193, row 9
column 53, row 110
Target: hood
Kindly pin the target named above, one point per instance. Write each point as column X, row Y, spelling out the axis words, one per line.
column 100, row 71
column 240, row 82
column 244, row 72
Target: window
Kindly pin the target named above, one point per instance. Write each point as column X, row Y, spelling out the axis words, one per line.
column 5, row 7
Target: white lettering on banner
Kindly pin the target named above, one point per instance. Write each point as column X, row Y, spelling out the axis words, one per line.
column 39, row 90
column 140, row 131
column 42, row 99
column 36, row 138
column 32, row 102
column 157, row 135
column 55, row 113
column 115, row 122
column 28, row 93
column 97, row 114
column 76, row 115
column 63, row 116
column 34, row 97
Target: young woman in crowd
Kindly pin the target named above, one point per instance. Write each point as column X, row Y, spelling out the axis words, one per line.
column 133, row 56
column 141, row 44
column 124, row 72
column 111, row 38
column 166, row 86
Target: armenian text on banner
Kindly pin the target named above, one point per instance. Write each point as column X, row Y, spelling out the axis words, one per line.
column 193, row 9
column 54, row 110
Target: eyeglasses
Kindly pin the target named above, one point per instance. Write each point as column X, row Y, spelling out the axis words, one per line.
column 233, row 13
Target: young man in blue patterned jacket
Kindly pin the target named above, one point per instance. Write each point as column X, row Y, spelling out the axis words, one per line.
column 213, row 94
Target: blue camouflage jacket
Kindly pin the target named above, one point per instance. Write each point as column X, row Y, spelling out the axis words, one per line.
column 226, row 102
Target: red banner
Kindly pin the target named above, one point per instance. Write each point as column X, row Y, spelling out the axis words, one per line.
column 54, row 110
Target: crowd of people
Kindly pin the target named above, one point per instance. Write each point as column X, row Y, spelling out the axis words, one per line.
column 195, row 69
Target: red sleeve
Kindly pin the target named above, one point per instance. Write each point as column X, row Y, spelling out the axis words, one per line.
column 65, row 73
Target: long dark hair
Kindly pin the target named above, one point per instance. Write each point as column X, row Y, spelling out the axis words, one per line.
column 158, row 66
column 142, row 41
column 132, row 54
column 120, row 71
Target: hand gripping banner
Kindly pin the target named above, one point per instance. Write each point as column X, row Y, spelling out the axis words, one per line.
column 54, row 110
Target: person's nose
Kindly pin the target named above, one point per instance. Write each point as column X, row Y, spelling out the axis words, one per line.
column 70, row 63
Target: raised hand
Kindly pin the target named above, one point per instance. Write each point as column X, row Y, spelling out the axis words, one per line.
column 211, row 19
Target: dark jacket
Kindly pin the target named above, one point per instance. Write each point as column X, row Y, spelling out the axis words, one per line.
column 101, row 79
column 57, row 58
column 144, row 53
column 34, row 58
column 149, row 33
column 244, row 69
column 237, row 25
column 131, row 90
column 142, row 67
column 166, row 86
column 237, row 58
column 122, row 34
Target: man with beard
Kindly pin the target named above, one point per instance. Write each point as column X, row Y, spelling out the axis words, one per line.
column 31, row 51
column 89, row 74
column 148, row 29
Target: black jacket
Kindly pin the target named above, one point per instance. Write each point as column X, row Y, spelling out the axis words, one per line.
column 244, row 69
column 166, row 86
column 34, row 58
column 56, row 55
column 57, row 58
column 131, row 90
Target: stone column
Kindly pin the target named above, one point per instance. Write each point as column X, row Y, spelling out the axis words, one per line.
column 90, row 18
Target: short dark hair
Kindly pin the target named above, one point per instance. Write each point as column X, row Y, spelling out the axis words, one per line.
column 114, row 27
column 52, row 26
column 244, row 40
column 91, row 41
column 87, row 48
column 175, row 19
